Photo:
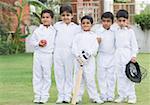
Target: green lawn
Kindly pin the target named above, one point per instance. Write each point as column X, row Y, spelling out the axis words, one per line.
column 16, row 82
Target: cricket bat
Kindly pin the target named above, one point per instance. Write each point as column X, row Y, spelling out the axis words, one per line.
column 77, row 86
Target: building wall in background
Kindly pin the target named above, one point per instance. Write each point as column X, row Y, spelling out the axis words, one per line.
column 7, row 16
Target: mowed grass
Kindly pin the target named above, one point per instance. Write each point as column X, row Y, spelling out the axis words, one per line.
column 16, row 82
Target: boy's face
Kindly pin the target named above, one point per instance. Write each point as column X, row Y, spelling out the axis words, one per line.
column 106, row 22
column 66, row 17
column 86, row 25
column 122, row 22
column 46, row 19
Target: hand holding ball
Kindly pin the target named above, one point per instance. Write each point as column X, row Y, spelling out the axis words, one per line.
column 42, row 43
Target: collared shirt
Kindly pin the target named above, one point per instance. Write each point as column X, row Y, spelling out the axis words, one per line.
column 107, row 44
column 85, row 41
column 65, row 34
column 43, row 33
column 125, row 38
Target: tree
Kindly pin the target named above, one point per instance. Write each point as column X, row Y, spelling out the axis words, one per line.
column 16, row 44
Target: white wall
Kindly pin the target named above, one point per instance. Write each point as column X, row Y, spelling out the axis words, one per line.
column 143, row 39
column 108, row 5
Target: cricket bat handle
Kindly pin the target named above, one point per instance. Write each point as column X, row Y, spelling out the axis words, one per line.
column 77, row 86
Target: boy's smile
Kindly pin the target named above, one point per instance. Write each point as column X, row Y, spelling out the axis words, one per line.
column 66, row 17
column 46, row 19
column 86, row 25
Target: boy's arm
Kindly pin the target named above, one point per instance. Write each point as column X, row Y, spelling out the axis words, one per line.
column 75, row 47
column 134, row 47
column 99, row 40
column 34, row 40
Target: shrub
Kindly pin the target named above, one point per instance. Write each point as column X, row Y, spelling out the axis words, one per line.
column 143, row 19
column 4, row 49
column 120, row 1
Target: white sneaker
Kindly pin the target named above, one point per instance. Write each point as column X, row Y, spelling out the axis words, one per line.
column 103, row 98
column 119, row 100
column 110, row 99
column 98, row 100
column 43, row 101
column 36, row 100
column 79, row 100
column 59, row 101
column 66, row 100
column 132, row 101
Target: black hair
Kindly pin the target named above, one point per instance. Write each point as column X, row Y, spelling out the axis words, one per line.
column 47, row 11
column 108, row 15
column 66, row 8
column 122, row 13
column 87, row 17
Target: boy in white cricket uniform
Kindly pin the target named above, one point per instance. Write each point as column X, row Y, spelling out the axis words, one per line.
column 86, row 41
column 126, row 50
column 63, row 58
column 42, row 40
column 106, row 57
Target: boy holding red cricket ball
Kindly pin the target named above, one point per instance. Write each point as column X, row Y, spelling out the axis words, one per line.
column 42, row 40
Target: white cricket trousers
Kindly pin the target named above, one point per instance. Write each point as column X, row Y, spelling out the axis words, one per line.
column 42, row 63
column 88, row 79
column 106, row 75
column 126, row 88
column 63, row 69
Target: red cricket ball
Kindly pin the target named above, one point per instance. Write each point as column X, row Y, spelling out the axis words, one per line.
column 44, row 41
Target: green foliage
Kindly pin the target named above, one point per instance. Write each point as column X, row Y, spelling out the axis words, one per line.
column 143, row 19
column 35, row 18
column 147, row 9
column 120, row 1
column 43, row 1
column 49, row 4
column 4, row 49
column 8, row 6
column 36, row 3
column 3, row 38
column 9, row 48
column 11, row 43
column 3, row 30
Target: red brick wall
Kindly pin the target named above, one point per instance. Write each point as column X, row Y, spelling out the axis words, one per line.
column 10, row 18
column 130, row 7
column 74, row 5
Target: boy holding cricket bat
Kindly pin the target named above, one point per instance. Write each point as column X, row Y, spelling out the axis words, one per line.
column 84, row 48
